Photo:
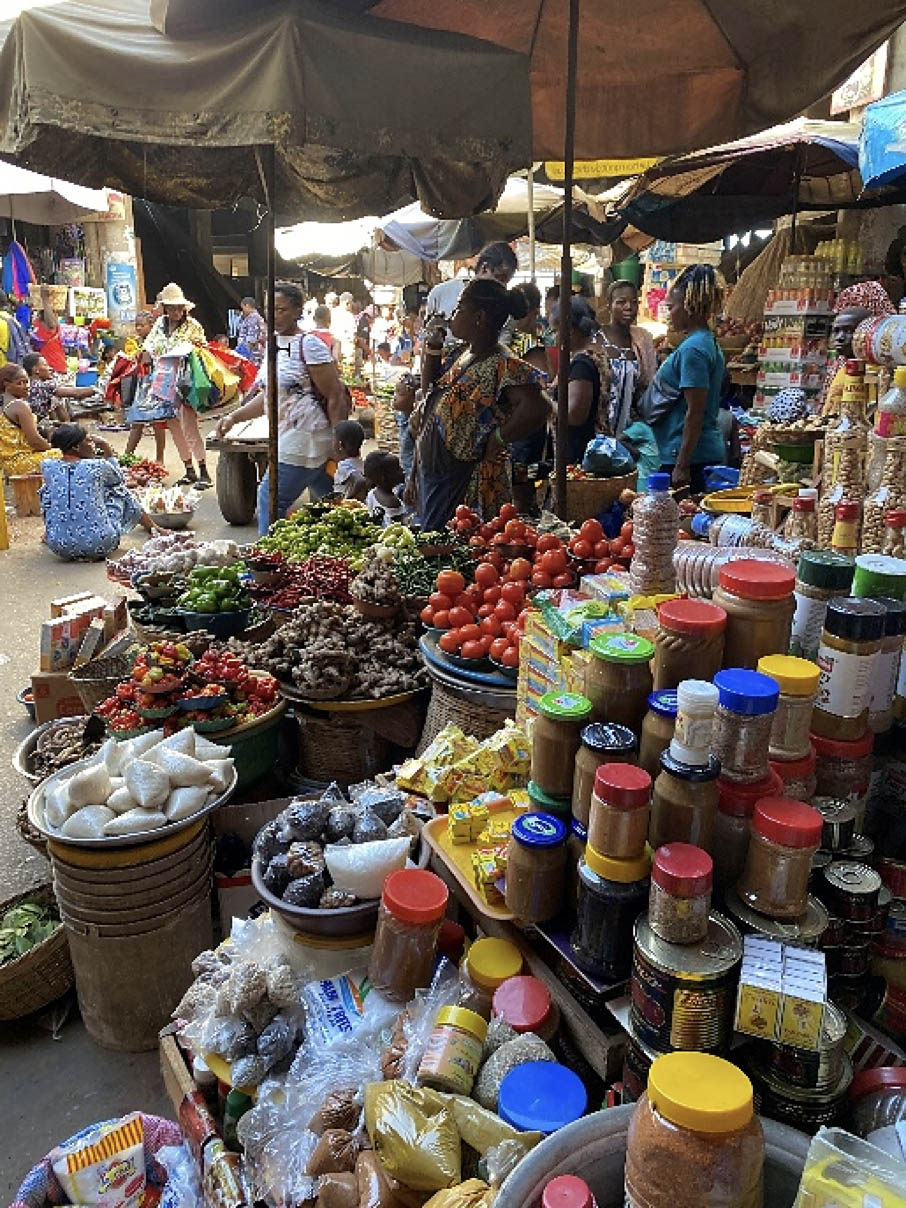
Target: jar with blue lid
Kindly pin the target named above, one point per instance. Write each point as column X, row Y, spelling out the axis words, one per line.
column 541, row 1096
column 536, row 867
column 658, row 726
column 747, row 702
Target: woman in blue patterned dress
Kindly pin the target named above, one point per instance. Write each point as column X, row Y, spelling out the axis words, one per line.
column 86, row 504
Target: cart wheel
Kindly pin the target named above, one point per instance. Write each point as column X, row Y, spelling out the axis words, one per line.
column 237, row 487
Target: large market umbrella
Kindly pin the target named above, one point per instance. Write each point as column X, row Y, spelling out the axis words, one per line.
column 882, row 145
column 44, row 200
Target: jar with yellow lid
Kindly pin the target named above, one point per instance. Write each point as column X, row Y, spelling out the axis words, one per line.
column 694, row 1138
column 487, row 964
column 618, row 678
column 556, row 737
column 453, row 1052
column 797, row 680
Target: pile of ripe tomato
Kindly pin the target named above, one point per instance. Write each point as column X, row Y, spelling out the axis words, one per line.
column 481, row 620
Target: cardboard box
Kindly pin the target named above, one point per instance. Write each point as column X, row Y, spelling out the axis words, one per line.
column 91, row 642
column 55, row 696
column 60, row 641
column 57, row 606
column 116, row 618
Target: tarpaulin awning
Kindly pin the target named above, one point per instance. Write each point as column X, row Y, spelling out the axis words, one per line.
column 882, row 145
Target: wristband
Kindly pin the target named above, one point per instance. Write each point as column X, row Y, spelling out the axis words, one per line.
column 499, row 436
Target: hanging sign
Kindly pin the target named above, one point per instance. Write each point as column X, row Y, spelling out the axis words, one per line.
column 122, row 291
column 583, row 169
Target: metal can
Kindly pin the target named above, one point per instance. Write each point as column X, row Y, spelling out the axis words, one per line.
column 890, row 1013
column 839, row 822
column 684, row 995
column 879, row 922
column 847, row 992
column 852, row 890
column 849, row 960
column 820, row 861
column 812, row 1069
column 862, row 848
column 804, row 1109
column 636, row 1064
column 893, row 874
column 806, row 931
column 835, row 932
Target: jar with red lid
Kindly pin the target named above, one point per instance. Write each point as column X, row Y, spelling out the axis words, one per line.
column 798, row 776
column 405, row 941
column 802, row 523
column 680, row 896
column 526, row 1005
column 845, row 534
column 689, row 642
column 618, row 819
column 893, row 541
column 843, row 770
column 735, row 805
column 567, row 1191
column 877, row 1098
column 784, row 836
column 757, row 597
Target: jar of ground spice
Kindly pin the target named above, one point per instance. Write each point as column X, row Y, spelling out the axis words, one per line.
column 689, row 642
column 536, row 867
column 797, row 680
column 784, row 837
column 526, row 1005
column 601, row 743
column 612, row 895
column 658, row 728
column 409, row 920
column 618, row 821
column 680, row 896
column 556, row 737
column 742, row 723
column 618, row 678
column 850, row 641
column 822, row 576
column 694, row 1139
column 684, row 803
column 844, row 769
column 798, row 776
column 735, row 805
column 757, row 597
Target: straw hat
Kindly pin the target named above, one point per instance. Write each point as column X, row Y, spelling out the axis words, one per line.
column 172, row 295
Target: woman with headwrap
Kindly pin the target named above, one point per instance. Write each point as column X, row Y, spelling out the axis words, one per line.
column 854, row 305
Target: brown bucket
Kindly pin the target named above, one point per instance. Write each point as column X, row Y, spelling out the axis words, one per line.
column 144, row 880
column 81, row 908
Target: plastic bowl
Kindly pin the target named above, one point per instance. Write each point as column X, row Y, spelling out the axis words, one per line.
column 215, row 725
column 191, row 703
column 456, row 660
column 220, row 624
column 26, row 699
column 511, row 673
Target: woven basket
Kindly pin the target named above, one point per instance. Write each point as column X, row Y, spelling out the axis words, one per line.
column 334, row 748
column 98, row 679
column 446, row 708
column 41, row 975
column 587, row 497
column 59, row 297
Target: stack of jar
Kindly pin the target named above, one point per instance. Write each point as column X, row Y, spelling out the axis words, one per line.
column 556, row 740
column 613, row 873
column 684, row 801
column 792, row 756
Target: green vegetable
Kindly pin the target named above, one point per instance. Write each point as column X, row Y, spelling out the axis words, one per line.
column 25, row 926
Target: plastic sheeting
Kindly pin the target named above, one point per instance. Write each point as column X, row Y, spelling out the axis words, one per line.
column 882, row 146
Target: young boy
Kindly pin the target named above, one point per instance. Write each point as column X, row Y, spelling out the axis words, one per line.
column 349, row 479
column 322, row 330
column 384, row 475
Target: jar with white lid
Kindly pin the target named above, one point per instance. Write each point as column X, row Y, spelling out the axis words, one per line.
column 742, row 723
column 696, row 701
column 797, row 680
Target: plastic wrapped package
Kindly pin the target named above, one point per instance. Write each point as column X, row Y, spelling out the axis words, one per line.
column 420, row 1015
column 340, row 1108
column 277, row 1150
column 414, row 1134
column 362, row 868
column 483, row 1131
column 842, row 1170
column 386, row 802
column 183, row 1186
column 473, row 1193
column 499, row 1032
column 338, row 1191
column 376, row 1189
column 335, row 1153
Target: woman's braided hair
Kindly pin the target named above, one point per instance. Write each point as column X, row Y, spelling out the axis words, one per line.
column 702, row 290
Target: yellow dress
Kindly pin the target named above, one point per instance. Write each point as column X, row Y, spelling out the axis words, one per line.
column 16, row 454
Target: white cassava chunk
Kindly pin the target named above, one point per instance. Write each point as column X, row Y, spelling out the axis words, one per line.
column 148, row 784
column 88, row 822
column 182, row 769
column 134, row 821
column 185, row 802
column 89, row 786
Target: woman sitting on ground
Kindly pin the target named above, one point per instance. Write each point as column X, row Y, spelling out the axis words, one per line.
column 22, row 447
column 86, row 504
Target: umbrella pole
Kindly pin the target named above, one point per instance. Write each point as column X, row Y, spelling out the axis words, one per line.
column 566, row 262
column 273, row 456
column 531, row 221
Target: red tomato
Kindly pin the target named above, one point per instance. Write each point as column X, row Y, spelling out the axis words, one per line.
column 460, row 617
column 582, row 549
column 491, row 594
column 505, row 611
column 426, row 616
column 628, row 550
column 548, row 541
column 463, row 513
column 450, row 582
column 463, row 600
column 627, row 530
column 541, row 579
column 495, row 559
column 470, row 633
column 475, row 596
column 500, row 539
column 472, row 650
column 440, row 600
column 510, row 656
column 486, row 610
column 565, row 580
column 507, row 628
column 449, row 642
column 514, row 529
column 477, row 542
column 497, row 648
column 513, row 593
column 496, row 525
column 553, row 562
column 601, row 549
column 602, row 566
column 531, row 539
column 462, row 527
column 492, row 625
column 486, row 640
column 591, row 532
column 520, row 570
column 442, row 619
column 616, row 546
column 508, row 512
column 485, row 575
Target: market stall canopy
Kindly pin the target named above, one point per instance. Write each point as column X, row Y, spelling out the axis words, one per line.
column 30, row 197
column 654, row 77
column 882, row 145
column 802, row 165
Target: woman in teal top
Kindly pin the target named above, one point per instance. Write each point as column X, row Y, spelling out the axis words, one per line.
column 688, row 436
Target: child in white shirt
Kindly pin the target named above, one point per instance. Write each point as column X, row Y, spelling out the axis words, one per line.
column 385, row 476
column 349, row 479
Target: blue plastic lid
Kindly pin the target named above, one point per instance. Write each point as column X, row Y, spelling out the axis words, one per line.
column 663, row 702
column 658, row 482
column 580, row 831
column 539, row 830
column 701, row 523
column 542, row 1096
column 747, row 692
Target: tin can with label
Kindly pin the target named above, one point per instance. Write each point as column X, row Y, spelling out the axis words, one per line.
column 684, row 995
column 849, row 960
column 835, row 933
column 636, row 1064
column 806, row 931
column 890, row 1013
column 851, row 890
column 804, row 1109
column 861, row 849
column 812, row 1069
column 839, row 822
column 879, row 922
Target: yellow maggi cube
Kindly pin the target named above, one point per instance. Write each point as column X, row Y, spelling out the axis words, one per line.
column 478, row 815
column 459, row 824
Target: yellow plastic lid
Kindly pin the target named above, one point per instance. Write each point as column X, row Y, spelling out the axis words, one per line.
column 623, row 871
column 795, row 677
column 490, row 962
column 701, row 1092
column 899, row 376
column 462, row 1017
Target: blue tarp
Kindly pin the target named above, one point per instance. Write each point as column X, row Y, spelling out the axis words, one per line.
column 882, row 146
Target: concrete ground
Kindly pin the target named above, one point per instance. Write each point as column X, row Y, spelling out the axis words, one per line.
column 55, row 1079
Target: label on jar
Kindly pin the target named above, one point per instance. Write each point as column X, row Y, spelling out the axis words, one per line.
column 451, row 1056
column 694, row 731
column 808, row 622
column 889, row 423
column 844, row 688
column 884, row 680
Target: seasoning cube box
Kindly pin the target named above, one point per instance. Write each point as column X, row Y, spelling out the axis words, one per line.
column 758, row 1004
column 459, row 824
column 478, row 818
column 802, row 1020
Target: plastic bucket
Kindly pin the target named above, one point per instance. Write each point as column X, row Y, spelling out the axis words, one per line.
column 148, row 880
column 107, row 861
column 629, row 269
column 594, row 1148
column 82, row 908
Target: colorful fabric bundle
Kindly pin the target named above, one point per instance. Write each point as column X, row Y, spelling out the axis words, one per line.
column 18, row 273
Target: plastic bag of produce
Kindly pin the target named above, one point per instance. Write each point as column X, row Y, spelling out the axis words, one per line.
column 335, row 1153
column 338, row 1191
column 607, row 458
column 414, row 1134
column 376, row 1189
column 362, row 868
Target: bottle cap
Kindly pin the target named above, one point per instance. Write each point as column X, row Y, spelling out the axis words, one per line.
column 795, row 677
column 700, row 1091
column 524, row 1002
column 664, row 702
column 855, row 620
column 747, row 692
column 237, row 1102
column 623, row 786
column 658, row 482
column 541, row 1096
column 801, row 504
column 683, row 870
column 491, row 961
column 826, row 569
column 415, row 895
column 838, row 749
column 808, row 493
column 896, row 517
column 567, row 1191
column 623, row 871
column 539, row 830
column 789, row 823
column 696, row 772
column 462, row 1017
column 565, row 706
column 738, row 800
column 607, row 737
column 621, row 648
column 893, row 1077
column 692, row 616
column 756, row 579
column 546, row 803
column 847, row 509
column 696, row 696
column 895, row 621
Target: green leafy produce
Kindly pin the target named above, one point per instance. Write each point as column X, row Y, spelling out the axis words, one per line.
column 216, row 589
column 25, row 926
column 417, row 573
column 338, row 531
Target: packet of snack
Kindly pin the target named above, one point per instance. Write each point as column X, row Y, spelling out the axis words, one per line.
column 106, row 1167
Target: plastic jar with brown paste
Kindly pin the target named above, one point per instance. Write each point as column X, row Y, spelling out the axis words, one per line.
column 658, row 728
column 798, row 775
column 735, row 805
column 556, row 737
column 850, row 641
column 689, row 643
column 757, row 597
column 618, row 822
column 618, row 678
column 746, row 705
column 680, row 896
column 536, row 867
column 601, row 743
column 797, row 680
column 409, row 920
column 785, row 835
column 684, row 803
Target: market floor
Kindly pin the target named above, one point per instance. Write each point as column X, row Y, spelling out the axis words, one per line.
column 53, row 1087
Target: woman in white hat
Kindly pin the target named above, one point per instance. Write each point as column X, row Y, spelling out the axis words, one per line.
column 173, row 329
